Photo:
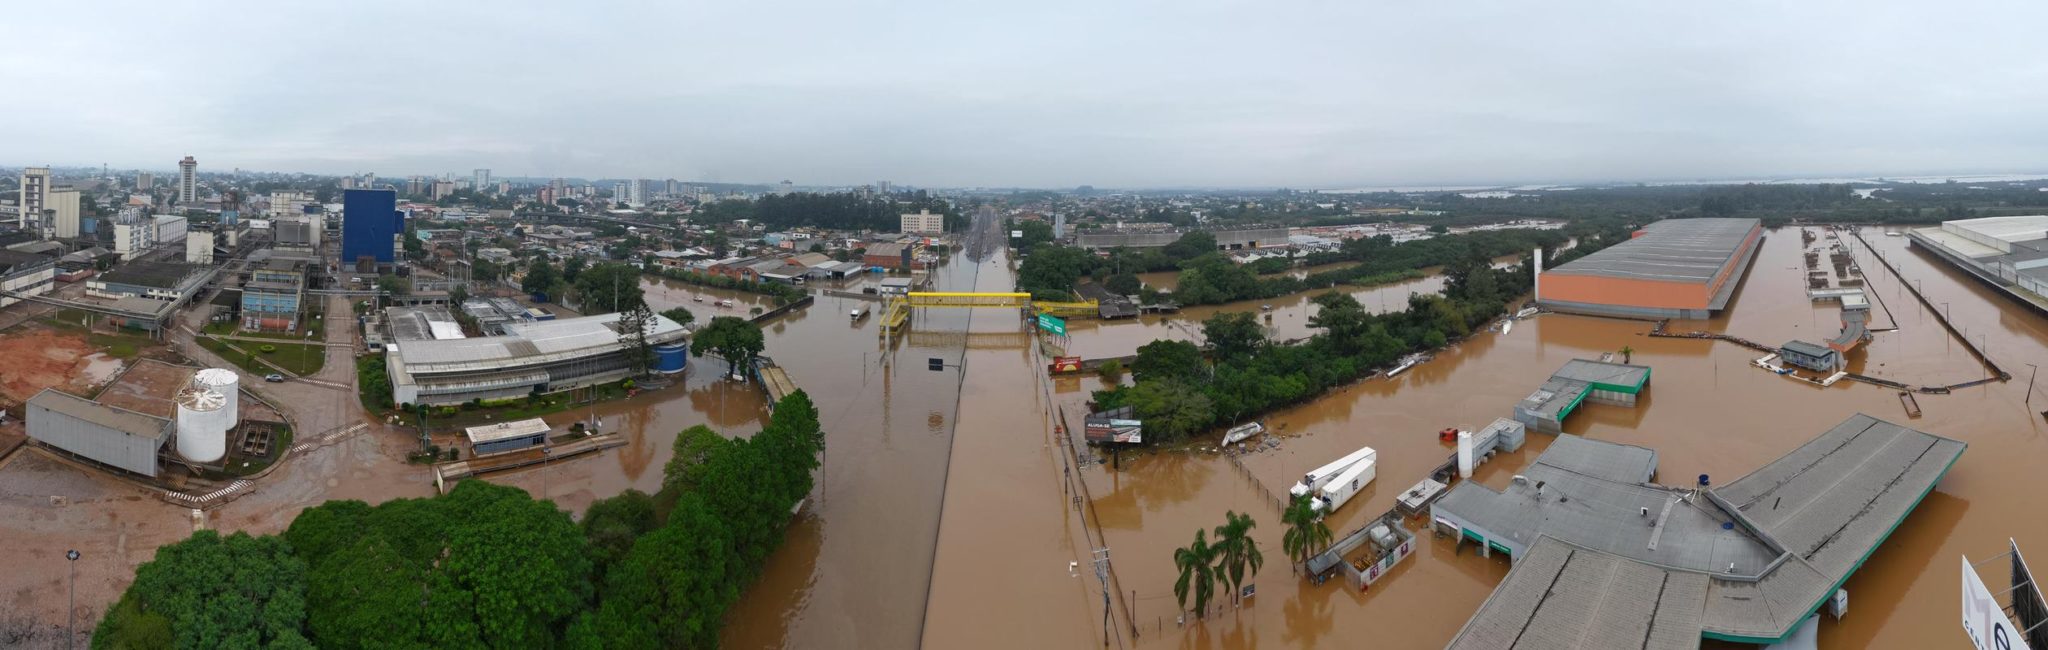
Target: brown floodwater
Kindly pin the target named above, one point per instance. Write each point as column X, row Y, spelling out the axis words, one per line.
column 873, row 563
column 1707, row 411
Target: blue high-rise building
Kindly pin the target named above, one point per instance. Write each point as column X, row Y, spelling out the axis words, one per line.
column 370, row 225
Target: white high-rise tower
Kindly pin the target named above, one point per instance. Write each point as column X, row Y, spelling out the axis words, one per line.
column 188, row 181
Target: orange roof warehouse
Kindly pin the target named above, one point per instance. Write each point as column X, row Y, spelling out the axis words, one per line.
column 1675, row 268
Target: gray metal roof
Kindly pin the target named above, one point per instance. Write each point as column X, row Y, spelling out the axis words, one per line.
column 1672, row 250
column 1603, row 372
column 1564, row 596
column 1819, row 511
column 133, row 423
column 161, row 275
column 1593, row 494
column 1808, row 349
column 525, row 344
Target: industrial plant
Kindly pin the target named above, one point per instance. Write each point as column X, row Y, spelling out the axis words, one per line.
column 204, row 417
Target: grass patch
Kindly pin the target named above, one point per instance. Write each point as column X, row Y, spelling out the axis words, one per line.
column 296, row 358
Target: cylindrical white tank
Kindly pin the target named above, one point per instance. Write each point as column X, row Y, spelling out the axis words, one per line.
column 1464, row 454
column 203, row 423
column 225, row 383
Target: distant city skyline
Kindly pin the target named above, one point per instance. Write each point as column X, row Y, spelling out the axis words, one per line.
column 1197, row 94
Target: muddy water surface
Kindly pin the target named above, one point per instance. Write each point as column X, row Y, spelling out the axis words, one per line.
column 1707, row 412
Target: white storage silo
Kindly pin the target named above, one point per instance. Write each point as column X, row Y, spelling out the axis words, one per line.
column 225, row 383
column 203, row 423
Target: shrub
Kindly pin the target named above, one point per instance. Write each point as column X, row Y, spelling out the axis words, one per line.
column 267, row 348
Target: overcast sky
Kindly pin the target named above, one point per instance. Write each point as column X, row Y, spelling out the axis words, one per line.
column 1039, row 93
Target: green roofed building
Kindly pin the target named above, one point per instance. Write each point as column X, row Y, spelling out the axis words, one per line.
column 1581, row 380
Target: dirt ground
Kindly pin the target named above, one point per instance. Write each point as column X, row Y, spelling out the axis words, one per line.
column 148, row 387
column 39, row 357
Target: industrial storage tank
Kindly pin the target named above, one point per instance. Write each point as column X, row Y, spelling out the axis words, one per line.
column 228, row 385
column 671, row 358
column 203, row 423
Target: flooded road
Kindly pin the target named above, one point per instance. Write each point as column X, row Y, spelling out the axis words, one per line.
column 873, row 563
column 1706, row 411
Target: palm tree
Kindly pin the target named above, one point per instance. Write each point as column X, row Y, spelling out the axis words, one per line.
column 1196, row 574
column 1628, row 354
column 1237, row 550
column 1306, row 533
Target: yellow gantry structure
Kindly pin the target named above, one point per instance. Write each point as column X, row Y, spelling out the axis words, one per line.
column 962, row 299
column 898, row 310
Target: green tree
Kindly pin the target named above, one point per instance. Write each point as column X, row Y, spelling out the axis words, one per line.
column 609, row 287
column 1124, row 284
column 1170, row 409
column 1036, row 233
column 1237, row 551
column 680, row 315
column 1191, row 245
column 572, row 269
column 1628, row 354
column 1306, row 534
column 394, row 285
column 634, row 324
column 1234, row 335
column 1197, row 574
column 611, row 525
column 1111, row 371
column 671, row 591
column 215, row 592
column 1165, row 359
column 693, row 447
column 510, row 574
column 353, row 596
column 732, row 338
column 541, row 277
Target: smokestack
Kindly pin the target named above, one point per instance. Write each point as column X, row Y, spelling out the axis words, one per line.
column 1538, row 292
column 1464, row 454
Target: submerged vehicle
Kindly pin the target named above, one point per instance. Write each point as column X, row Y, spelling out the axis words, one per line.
column 1242, row 432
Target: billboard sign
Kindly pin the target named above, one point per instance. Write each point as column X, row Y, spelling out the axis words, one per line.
column 1051, row 323
column 1984, row 619
column 1066, row 364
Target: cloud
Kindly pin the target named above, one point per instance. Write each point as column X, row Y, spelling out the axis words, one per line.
column 1054, row 94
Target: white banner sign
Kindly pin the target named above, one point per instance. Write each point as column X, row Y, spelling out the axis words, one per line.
column 1983, row 619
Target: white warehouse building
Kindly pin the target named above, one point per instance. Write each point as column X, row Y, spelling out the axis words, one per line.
column 543, row 356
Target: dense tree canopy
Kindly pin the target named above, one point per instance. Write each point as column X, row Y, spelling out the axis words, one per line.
column 730, row 337
column 609, row 287
column 213, row 592
column 488, row 566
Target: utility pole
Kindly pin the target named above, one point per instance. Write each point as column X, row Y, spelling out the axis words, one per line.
column 71, row 613
column 2034, row 370
column 1101, row 561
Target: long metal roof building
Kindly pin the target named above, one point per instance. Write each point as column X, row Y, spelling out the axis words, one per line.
column 109, row 435
column 1603, row 561
column 549, row 355
column 1675, row 268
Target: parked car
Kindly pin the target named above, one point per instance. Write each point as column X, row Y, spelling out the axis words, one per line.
column 273, row 378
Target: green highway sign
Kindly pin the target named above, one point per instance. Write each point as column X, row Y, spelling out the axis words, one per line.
column 1051, row 323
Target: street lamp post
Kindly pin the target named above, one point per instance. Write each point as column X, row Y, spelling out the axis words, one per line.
column 71, row 613
column 2033, row 370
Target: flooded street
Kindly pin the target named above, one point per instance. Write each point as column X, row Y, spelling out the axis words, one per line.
column 1706, row 411
column 942, row 517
